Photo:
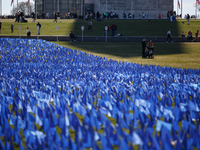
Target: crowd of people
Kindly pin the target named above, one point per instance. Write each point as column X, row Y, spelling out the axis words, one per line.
column 100, row 17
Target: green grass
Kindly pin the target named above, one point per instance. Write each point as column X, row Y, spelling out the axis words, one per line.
column 48, row 27
column 176, row 55
column 125, row 27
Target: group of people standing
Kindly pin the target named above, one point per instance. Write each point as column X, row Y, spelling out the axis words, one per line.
column 171, row 15
column 112, row 28
column 57, row 17
column 147, row 49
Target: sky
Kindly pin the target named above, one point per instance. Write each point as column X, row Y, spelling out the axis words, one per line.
column 188, row 6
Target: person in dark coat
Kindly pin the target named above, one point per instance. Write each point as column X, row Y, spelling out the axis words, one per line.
column 55, row 17
column 38, row 27
column 113, row 28
column 58, row 17
column 12, row 26
column 143, row 47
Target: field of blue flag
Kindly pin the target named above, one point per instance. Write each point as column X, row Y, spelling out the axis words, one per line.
column 52, row 97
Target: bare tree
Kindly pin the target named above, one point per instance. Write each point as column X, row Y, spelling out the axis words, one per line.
column 23, row 8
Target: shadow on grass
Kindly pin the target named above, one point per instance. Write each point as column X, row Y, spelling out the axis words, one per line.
column 132, row 27
column 128, row 28
column 124, row 49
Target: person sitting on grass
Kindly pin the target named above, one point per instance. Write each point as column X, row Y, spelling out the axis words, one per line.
column 189, row 35
column 28, row 32
column 146, row 52
column 196, row 36
column 72, row 37
column 182, row 34
column 150, row 53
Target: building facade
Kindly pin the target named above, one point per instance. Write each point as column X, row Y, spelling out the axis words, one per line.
column 152, row 8
column 52, row 6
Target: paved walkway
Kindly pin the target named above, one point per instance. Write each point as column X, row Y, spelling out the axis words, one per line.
column 103, row 38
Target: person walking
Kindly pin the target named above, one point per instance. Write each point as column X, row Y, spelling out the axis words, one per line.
column 55, row 15
column 33, row 15
column 169, row 36
column 38, row 27
column 58, row 18
column 196, row 36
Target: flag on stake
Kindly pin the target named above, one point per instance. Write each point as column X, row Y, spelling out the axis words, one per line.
column 1, row 145
column 178, row 5
column 123, row 145
column 28, row 2
column 11, row 2
column 65, row 142
column 197, row 2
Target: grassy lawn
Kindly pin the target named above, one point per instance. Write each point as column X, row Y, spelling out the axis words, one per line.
column 125, row 27
column 176, row 55
column 179, row 55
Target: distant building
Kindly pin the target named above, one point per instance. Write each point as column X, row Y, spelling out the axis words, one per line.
column 64, row 6
column 152, row 8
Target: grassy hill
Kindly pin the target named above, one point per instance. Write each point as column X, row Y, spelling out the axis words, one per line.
column 125, row 27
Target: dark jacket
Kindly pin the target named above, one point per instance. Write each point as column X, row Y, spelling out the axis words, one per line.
column 143, row 45
column 38, row 24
